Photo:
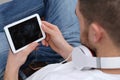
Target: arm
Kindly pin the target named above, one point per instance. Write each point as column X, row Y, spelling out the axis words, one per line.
column 11, row 73
column 15, row 61
column 56, row 40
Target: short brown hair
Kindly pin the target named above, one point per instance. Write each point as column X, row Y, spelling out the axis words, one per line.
column 104, row 12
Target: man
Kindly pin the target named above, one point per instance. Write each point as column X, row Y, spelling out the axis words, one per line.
column 99, row 31
column 58, row 12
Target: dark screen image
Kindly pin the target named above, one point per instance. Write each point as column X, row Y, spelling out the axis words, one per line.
column 25, row 33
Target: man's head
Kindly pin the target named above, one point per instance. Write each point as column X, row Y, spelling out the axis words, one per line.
column 100, row 25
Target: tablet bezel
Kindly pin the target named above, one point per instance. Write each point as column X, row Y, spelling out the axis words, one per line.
column 18, row 22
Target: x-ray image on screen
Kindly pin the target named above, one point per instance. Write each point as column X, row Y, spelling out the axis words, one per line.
column 25, row 33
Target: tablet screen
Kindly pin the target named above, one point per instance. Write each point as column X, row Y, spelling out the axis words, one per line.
column 24, row 33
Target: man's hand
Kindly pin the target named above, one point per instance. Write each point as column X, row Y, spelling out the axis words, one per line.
column 15, row 61
column 56, row 40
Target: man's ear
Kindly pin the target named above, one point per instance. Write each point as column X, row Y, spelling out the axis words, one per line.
column 96, row 32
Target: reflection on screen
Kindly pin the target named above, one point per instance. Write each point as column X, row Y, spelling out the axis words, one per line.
column 25, row 33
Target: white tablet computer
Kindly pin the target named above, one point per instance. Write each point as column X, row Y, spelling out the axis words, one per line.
column 23, row 32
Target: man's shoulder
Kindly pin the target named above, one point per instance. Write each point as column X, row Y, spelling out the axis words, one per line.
column 79, row 75
column 67, row 71
column 44, row 71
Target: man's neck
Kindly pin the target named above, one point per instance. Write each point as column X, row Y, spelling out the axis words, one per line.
column 112, row 71
column 109, row 51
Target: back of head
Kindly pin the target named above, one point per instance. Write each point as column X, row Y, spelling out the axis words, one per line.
column 105, row 13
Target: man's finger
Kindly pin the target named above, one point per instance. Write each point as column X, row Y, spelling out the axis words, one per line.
column 30, row 48
column 51, row 26
column 43, row 42
column 47, row 29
